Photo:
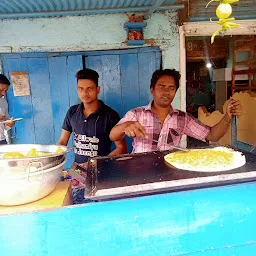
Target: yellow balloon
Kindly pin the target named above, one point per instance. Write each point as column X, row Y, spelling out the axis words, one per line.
column 223, row 11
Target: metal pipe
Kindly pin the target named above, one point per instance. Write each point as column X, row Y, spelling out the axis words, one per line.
column 88, row 12
column 153, row 8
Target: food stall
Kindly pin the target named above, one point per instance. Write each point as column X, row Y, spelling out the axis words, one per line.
column 137, row 204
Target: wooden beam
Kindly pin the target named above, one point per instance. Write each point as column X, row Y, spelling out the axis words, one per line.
column 242, row 72
column 183, row 104
column 182, row 49
column 247, row 27
column 247, row 46
column 183, row 13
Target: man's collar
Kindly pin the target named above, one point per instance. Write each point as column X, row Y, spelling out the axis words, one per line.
column 149, row 108
column 99, row 110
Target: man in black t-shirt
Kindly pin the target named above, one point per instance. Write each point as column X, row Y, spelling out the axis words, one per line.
column 91, row 121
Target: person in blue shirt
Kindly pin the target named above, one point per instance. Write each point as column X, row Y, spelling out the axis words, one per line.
column 4, row 115
column 90, row 122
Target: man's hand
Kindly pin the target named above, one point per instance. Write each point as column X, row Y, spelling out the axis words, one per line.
column 135, row 129
column 234, row 108
column 2, row 117
column 10, row 123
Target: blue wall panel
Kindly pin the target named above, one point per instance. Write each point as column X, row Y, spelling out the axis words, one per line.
column 24, row 131
column 129, row 82
column 74, row 64
column 111, row 81
column 53, row 91
column 148, row 62
column 41, row 100
column 63, row 92
column 238, row 250
column 124, row 79
column 94, row 62
column 204, row 222
column 90, row 53
column 59, row 92
column 130, row 87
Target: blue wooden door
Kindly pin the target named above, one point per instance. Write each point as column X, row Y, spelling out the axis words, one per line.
column 53, row 91
column 35, row 109
column 125, row 78
column 62, row 72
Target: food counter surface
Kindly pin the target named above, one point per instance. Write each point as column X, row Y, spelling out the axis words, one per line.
column 147, row 173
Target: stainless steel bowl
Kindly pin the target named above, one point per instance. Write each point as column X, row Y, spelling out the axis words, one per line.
column 25, row 188
column 30, row 164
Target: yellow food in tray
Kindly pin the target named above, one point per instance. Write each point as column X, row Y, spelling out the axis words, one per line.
column 199, row 157
column 13, row 155
column 32, row 153
column 59, row 150
column 206, row 160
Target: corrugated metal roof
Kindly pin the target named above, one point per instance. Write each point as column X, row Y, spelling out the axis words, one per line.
column 14, row 8
column 64, row 5
column 244, row 9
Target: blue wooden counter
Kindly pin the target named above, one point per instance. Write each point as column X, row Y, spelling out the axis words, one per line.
column 203, row 222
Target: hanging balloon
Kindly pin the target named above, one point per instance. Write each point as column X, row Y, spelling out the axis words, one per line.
column 223, row 12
